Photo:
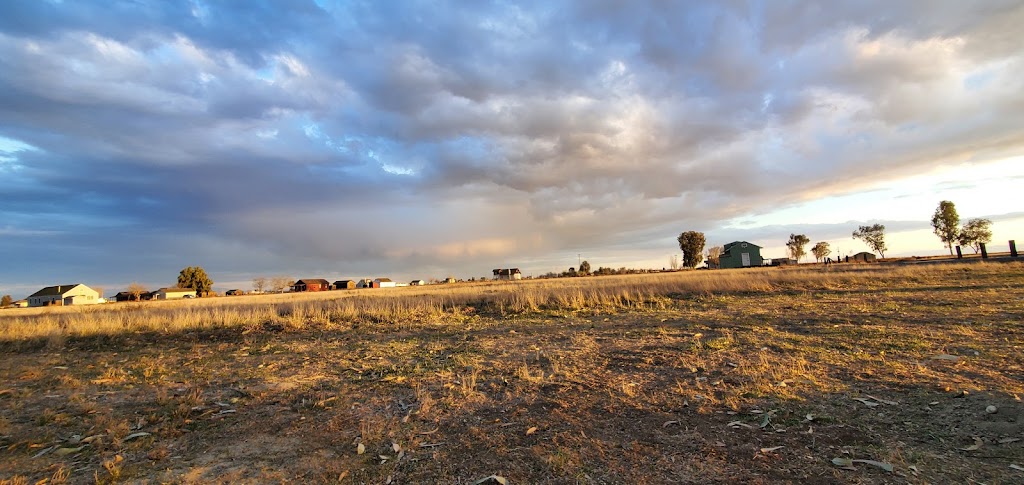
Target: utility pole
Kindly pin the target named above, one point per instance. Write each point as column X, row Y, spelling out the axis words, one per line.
column 579, row 260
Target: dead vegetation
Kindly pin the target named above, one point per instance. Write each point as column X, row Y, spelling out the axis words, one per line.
column 878, row 374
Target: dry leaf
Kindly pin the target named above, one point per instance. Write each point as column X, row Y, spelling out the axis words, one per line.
column 360, row 449
column 132, row 436
column 843, row 462
column 738, row 423
column 866, row 402
column 946, row 357
column 532, row 430
column 1008, row 440
column 769, row 450
column 1017, row 467
column 669, row 423
column 883, row 401
column 977, row 444
column 68, row 451
column 396, row 447
column 885, row 466
column 499, row 479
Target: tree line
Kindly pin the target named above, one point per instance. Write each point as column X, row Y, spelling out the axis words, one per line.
column 945, row 223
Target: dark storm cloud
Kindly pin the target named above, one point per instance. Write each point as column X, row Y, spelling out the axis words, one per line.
column 266, row 136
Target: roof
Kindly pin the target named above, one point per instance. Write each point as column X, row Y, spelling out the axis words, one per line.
column 383, row 280
column 866, row 253
column 343, row 281
column 507, row 271
column 175, row 290
column 54, row 290
column 730, row 245
column 309, row 281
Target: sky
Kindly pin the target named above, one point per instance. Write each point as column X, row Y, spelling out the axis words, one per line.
column 422, row 139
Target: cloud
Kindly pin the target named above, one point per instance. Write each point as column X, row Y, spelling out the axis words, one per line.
column 443, row 134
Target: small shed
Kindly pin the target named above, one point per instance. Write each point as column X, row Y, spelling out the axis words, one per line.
column 417, row 283
column 740, row 254
column 449, row 280
column 235, row 292
column 344, row 285
column 311, row 284
column 863, row 257
column 364, row 283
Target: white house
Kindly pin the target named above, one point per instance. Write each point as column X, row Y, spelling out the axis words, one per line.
column 508, row 274
column 418, row 283
column 384, row 283
column 173, row 293
column 76, row 294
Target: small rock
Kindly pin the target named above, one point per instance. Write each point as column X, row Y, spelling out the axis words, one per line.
column 991, row 410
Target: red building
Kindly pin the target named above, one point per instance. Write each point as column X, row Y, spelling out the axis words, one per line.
column 318, row 284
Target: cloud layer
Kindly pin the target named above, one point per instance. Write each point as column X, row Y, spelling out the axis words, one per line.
column 361, row 138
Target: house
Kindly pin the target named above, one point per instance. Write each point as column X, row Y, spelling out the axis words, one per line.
column 740, row 254
column 508, row 274
column 417, row 283
column 364, row 283
column 863, row 257
column 75, row 294
column 128, row 296
column 235, row 292
column 449, row 280
column 344, row 285
column 20, row 304
column 173, row 293
column 383, row 283
column 318, row 284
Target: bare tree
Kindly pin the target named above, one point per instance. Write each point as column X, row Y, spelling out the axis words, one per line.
column 673, row 262
column 259, row 283
column 136, row 289
column 280, row 283
column 715, row 255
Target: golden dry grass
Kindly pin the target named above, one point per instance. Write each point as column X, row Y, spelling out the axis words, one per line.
column 670, row 378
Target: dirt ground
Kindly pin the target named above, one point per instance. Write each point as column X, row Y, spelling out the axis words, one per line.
column 919, row 382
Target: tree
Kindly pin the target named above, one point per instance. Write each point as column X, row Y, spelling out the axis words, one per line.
column 280, row 283
column 195, row 277
column 136, row 290
column 6, row 301
column 258, row 283
column 714, row 255
column 691, row 243
column 821, row 250
column 946, row 223
column 975, row 233
column 873, row 236
column 584, row 268
column 796, row 246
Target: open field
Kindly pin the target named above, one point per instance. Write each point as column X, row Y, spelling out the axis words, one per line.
column 762, row 375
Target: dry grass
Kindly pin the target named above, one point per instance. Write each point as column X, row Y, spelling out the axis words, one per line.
column 681, row 377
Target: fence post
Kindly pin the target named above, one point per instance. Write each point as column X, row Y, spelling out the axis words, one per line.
column 1013, row 249
column 959, row 255
column 984, row 252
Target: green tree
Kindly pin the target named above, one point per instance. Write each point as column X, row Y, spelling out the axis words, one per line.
column 691, row 243
column 796, row 245
column 584, row 268
column 195, row 277
column 821, row 250
column 873, row 236
column 946, row 223
column 975, row 233
column 6, row 301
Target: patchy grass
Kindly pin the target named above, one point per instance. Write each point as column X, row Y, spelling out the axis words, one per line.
column 684, row 377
